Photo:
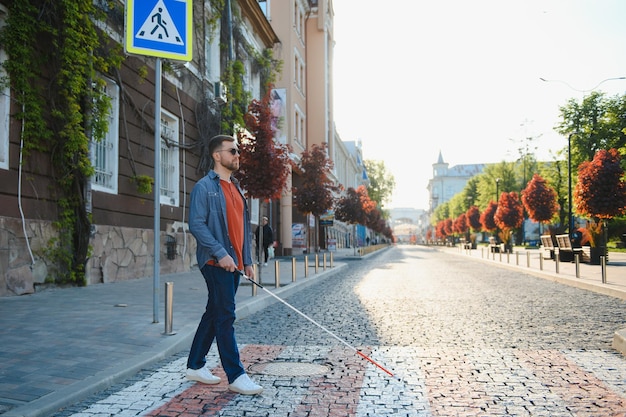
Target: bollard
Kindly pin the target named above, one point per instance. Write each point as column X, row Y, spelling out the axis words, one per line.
column 577, row 260
column 516, row 258
column 256, row 279
column 277, row 274
column 540, row 262
column 317, row 262
column 306, row 266
column 482, row 252
column 324, row 261
column 500, row 255
column 603, row 266
column 508, row 257
column 293, row 269
column 528, row 259
column 169, row 308
column 556, row 263
column 332, row 259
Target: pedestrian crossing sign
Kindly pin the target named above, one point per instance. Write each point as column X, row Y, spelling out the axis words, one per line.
column 160, row 28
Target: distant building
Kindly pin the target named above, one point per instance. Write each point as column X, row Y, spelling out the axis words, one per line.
column 409, row 225
column 448, row 181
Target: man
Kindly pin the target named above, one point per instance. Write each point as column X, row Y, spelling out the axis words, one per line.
column 219, row 220
column 268, row 237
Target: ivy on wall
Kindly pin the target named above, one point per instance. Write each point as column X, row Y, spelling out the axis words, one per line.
column 55, row 53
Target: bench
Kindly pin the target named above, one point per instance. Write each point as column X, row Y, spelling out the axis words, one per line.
column 495, row 247
column 567, row 252
column 547, row 246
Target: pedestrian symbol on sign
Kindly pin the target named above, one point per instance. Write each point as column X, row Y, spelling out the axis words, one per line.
column 159, row 26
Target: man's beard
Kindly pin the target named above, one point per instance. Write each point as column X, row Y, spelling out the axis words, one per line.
column 232, row 166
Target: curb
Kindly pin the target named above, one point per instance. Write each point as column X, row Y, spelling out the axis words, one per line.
column 619, row 341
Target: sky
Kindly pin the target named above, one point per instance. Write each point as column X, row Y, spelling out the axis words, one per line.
column 413, row 78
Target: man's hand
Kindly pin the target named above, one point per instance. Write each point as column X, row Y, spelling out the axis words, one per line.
column 249, row 271
column 227, row 263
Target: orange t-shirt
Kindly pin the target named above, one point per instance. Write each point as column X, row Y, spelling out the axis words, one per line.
column 234, row 217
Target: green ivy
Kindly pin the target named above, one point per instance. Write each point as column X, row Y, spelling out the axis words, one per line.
column 60, row 40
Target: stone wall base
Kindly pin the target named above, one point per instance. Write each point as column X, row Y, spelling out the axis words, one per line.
column 118, row 254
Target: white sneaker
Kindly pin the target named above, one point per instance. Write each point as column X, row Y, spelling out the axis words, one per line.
column 244, row 385
column 202, row 375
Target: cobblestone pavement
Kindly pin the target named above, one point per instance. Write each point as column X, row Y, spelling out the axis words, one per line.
column 462, row 338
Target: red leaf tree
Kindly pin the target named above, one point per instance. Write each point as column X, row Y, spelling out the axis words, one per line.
column 473, row 218
column 460, row 224
column 509, row 215
column 539, row 199
column 601, row 190
column 315, row 193
column 486, row 217
column 264, row 166
column 354, row 206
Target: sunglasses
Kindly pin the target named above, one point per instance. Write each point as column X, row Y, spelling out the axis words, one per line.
column 233, row 151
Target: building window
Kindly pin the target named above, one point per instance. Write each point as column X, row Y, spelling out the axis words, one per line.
column 212, row 53
column 104, row 152
column 299, row 71
column 5, row 104
column 169, row 159
column 298, row 20
column 299, row 126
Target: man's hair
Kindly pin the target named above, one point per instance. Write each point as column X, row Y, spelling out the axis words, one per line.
column 216, row 142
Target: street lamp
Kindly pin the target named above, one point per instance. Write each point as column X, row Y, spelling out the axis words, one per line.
column 498, row 189
column 569, row 184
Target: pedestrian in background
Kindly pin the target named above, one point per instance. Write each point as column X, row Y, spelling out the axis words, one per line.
column 268, row 237
column 219, row 220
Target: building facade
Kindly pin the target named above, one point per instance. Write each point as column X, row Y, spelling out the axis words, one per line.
column 118, row 198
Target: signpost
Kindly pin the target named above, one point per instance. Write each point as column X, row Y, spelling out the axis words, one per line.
column 163, row 29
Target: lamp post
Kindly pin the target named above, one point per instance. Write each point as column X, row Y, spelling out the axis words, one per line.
column 569, row 184
column 498, row 189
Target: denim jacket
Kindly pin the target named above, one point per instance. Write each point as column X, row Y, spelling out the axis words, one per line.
column 208, row 223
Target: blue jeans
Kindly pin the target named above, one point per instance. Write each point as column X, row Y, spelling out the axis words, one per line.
column 217, row 323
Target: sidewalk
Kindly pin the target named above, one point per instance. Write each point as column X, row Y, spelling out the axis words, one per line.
column 589, row 276
column 60, row 345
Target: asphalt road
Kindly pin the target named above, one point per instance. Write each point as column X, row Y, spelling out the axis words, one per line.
column 460, row 337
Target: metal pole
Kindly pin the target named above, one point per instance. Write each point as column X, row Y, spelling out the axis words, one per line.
column 306, row 266
column 317, row 262
column 324, row 257
column 293, row 269
column 540, row 262
column 277, row 273
column 577, row 260
column 332, row 259
column 569, row 184
column 516, row 258
column 528, row 259
column 169, row 308
column 603, row 266
column 157, row 190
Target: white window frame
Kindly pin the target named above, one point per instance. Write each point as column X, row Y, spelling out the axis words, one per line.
column 105, row 153
column 212, row 53
column 5, row 104
column 170, row 165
